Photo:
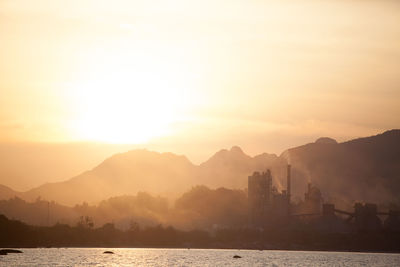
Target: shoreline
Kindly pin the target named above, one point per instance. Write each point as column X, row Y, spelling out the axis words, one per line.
column 210, row 248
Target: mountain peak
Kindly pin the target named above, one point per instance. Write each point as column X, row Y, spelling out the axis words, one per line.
column 392, row 132
column 326, row 140
column 236, row 149
column 224, row 155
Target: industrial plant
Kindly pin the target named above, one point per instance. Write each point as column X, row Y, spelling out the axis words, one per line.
column 269, row 207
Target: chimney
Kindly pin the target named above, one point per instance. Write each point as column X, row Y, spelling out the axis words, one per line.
column 288, row 189
column 288, row 184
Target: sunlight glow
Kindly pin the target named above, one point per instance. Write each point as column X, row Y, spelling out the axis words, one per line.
column 130, row 104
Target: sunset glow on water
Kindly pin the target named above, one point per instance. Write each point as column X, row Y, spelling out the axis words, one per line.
column 80, row 257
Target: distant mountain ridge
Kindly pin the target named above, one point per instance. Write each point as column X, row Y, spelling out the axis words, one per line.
column 6, row 192
column 123, row 173
column 363, row 169
column 230, row 168
column 149, row 171
column 366, row 169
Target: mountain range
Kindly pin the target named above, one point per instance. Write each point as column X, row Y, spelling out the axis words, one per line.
column 365, row 169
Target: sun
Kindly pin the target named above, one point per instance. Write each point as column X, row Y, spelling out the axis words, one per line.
column 128, row 104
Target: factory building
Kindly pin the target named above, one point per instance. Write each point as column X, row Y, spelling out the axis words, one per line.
column 260, row 196
column 266, row 205
column 269, row 207
column 312, row 200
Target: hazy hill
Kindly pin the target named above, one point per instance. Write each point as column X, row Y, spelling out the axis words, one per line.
column 27, row 165
column 200, row 207
column 124, row 173
column 38, row 212
column 158, row 173
column 204, row 207
column 230, row 168
column 6, row 192
column 365, row 169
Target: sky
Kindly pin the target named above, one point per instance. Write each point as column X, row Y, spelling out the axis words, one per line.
column 193, row 77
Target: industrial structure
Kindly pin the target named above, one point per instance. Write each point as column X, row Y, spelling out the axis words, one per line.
column 266, row 204
column 365, row 217
column 269, row 207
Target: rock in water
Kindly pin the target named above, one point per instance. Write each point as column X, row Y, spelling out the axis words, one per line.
column 6, row 251
column 108, row 252
column 237, row 257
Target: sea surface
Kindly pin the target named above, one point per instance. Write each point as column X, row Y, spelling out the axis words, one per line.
column 192, row 257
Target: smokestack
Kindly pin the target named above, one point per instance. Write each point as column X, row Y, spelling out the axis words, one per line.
column 288, row 184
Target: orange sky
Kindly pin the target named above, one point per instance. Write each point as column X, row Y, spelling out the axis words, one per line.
column 196, row 76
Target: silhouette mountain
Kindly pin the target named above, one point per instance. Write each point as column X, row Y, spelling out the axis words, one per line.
column 158, row 173
column 124, row 173
column 326, row 140
column 6, row 192
column 230, row 168
column 365, row 169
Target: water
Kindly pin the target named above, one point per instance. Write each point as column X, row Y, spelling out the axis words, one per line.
column 193, row 257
